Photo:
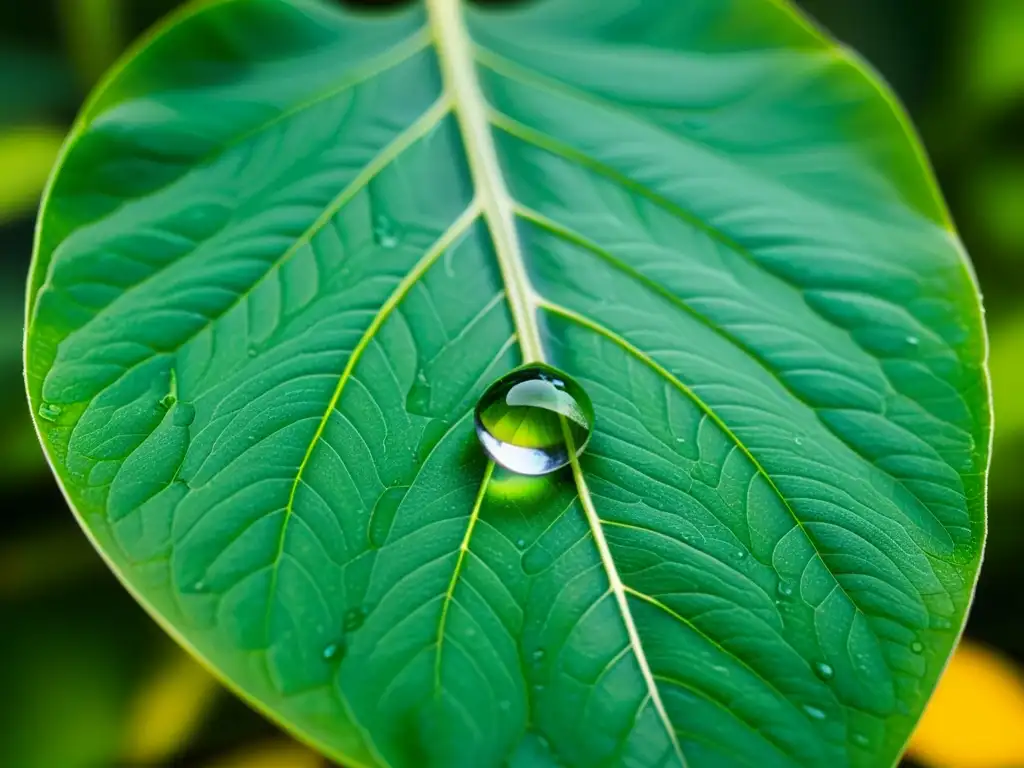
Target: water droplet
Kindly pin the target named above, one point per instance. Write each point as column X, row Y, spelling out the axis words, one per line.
column 519, row 419
column 252, row 352
column 354, row 618
column 798, row 440
column 538, row 687
column 860, row 740
column 49, row 411
column 742, row 553
column 184, row 415
column 333, row 651
column 943, row 623
column 520, row 543
column 504, row 705
column 680, row 439
column 167, row 401
column 538, row 655
column 785, row 589
column 824, row 671
column 913, row 341
column 384, row 232
column 199, row 586
column 917, row 646
column 813, row 712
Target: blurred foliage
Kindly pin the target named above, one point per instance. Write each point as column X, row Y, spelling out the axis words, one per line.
column 96, row 683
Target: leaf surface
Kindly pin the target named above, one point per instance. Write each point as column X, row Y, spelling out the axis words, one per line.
column 289, row 245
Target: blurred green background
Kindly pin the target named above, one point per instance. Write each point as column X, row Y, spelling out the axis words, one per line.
column 87, row 680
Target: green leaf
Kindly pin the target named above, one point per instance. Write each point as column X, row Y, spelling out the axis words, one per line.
column 290, row 244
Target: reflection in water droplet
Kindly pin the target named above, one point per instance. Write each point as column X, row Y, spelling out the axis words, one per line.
column 519, row 419
column 184, row 415
column 917, row 646
column 813, row 712
column 384, row 232
column 823, row 670
column 49, row 411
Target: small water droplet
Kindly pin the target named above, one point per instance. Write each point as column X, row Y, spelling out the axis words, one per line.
column 49, row 412
column 199, row 586
column 252, row 352
column 519, row 419
column 913, row 341
column 860, row 740
column 384, row 232
column 538, row 687
column 798, row 440
column 333, row 651
column 824, row 671
column 184, row 415
column 538, row 655
column 917, row 646
column 943, row 623
column 520, row 543
column 680, row 439
column 814, row 713
column 785, row 589
column 167, row 401
column 742, row 553
column 504, row 705
column 354, row 618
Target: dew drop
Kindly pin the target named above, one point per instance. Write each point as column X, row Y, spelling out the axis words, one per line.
column 519, row 419
column 824, row 671
column 354, row 618
column 785, row 589
column 384, row 232
column 538, row 655
column 333, row 651
column 199, row 586
column 741, row 553
column 798, row 440
column 943, row 623
column 814, row 713
column 917, row 646
column 860, row 740
column 913, row 341
column 520, row 543
column 167, row 401
column 49, row 412
column 184, row 415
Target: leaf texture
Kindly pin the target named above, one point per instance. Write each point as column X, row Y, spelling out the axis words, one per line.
column 287, row 247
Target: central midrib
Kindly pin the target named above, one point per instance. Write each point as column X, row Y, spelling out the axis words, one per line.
column 458, row 65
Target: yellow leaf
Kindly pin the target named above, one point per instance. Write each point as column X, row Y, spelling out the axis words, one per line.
column 976, row 717
column 168, row 710
column 272, row 754
column 26, row 155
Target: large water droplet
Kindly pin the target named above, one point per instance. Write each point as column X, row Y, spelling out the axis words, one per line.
column 520, row 418
column 384, row 232
column 49, row 412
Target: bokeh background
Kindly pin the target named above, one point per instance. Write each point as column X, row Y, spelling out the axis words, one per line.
column 88, row 681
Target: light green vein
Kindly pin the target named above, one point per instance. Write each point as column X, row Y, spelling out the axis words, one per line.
column 453, row 233
column 474, row 515
column 667, row 375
